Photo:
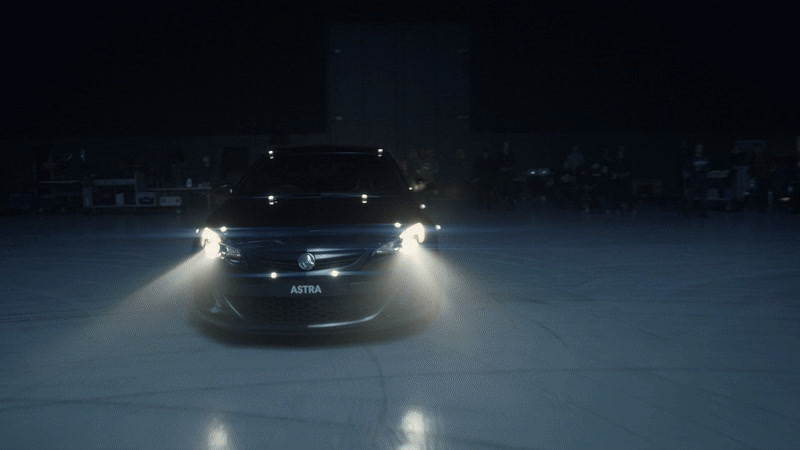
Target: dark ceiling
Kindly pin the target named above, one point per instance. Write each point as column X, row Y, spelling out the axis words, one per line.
column 111, row 70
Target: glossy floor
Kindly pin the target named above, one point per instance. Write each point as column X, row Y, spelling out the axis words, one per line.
column 557, row 330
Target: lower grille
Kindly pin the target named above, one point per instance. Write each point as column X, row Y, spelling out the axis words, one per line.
column 295, row 311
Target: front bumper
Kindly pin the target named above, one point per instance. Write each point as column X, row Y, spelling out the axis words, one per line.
column 299, row 302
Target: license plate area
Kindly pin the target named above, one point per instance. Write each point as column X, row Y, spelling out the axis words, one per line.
column 305, row 287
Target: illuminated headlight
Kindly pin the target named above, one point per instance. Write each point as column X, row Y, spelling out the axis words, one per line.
column 408, row 242
column 414, row 233
column 214, row 247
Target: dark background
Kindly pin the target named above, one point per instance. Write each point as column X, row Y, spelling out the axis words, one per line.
column 106, row 70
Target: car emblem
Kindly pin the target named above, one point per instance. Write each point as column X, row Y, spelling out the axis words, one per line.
column 306, row 261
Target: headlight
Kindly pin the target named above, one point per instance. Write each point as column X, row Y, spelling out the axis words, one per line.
column 214, row 247
column 408, row 242
column 415, row 232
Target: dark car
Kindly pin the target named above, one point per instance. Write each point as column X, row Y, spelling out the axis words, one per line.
column 315, row 238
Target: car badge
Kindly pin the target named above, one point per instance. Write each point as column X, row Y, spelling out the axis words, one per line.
column 306, row 261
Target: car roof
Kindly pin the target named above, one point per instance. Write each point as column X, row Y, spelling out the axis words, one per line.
column 326, row 149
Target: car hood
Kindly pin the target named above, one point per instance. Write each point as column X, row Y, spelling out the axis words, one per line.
column 259, row 212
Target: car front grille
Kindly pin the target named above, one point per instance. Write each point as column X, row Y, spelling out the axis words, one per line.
column 289, row 262
column 296, row 311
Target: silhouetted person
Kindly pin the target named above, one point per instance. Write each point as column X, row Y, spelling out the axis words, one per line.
column 761, row 168
column 575, row 158
column 605, row 157
column 586, row 185
column 427, row 170
column 564, row 187
column 461, row 173
column 696, row 175
column 207, row 171
column 86, row 175
column 506, row 167
column 602, row 182
column 484, row 177
column 622, row 189
column 679, row 173
column 409, row 166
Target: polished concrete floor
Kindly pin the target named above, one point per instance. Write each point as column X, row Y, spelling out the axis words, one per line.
column 558, row 330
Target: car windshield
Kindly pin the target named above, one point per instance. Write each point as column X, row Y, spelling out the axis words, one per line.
column 304, row 174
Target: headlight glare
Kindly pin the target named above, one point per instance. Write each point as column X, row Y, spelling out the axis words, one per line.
column 409, row 247
column 414, row 232
column 211, row 250
column 407, row 242
column 213, row 247
column 210, row 241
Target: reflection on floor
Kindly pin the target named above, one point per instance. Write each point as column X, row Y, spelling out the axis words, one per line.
column 557, row 330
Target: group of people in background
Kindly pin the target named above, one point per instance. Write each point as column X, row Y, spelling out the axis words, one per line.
column 492, row 179
column 591, row 184
column 602, row 183
column 695, row 182
column 697, row 179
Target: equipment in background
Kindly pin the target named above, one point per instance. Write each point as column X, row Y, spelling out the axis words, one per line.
column 170, row 200
column 145, row 198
